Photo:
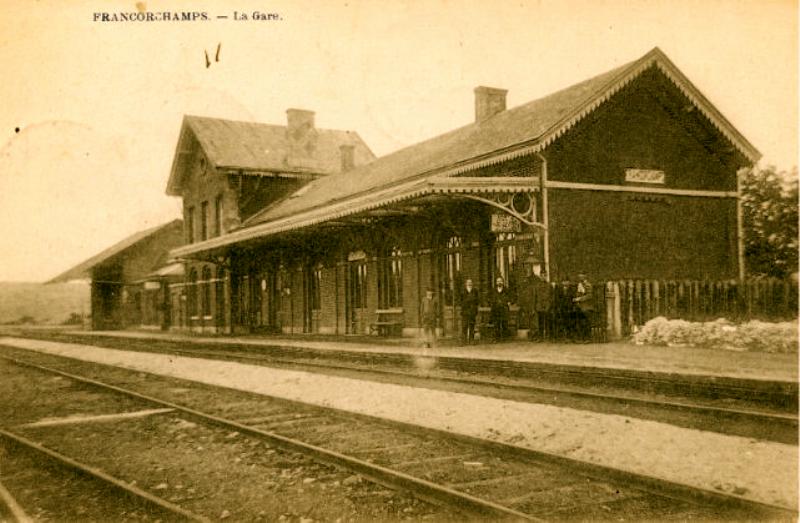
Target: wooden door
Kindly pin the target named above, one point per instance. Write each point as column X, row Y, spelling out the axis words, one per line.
column 357, row 321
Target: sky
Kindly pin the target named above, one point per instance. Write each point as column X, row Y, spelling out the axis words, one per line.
column 91, row 110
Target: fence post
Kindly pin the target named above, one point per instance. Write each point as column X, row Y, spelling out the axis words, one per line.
column 613, row 311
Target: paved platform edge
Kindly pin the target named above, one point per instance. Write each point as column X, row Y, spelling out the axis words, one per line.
column 764, row 385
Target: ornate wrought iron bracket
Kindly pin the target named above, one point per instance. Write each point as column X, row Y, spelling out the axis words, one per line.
column 521, row 205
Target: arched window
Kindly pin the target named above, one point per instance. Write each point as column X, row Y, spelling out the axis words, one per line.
column 206, row 284
column 193, row 293
column 452, row 267
column 390, row 278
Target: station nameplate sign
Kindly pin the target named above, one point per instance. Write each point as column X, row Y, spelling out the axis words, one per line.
column 644, row 176
column 505, row 223
column 356, row 255
column 151, row 285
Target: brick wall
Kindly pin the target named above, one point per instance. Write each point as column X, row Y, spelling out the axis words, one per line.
column 203, row 183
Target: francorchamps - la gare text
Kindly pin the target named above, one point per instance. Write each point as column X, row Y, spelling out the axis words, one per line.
column 152, row 16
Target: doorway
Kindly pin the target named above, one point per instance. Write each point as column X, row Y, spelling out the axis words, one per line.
column 356, row 297
column 312, row 280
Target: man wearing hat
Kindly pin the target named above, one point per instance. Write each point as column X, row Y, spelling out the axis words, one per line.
column 469, row 311
column 500, row 302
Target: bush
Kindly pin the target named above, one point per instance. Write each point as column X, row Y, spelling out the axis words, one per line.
column 755, row 336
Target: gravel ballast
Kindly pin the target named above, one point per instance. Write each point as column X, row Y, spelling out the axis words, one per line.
column 758, row 470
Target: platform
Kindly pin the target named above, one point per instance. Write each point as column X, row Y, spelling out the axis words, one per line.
column 686, row 361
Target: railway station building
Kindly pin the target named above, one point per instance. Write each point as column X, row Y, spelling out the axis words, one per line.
column 294, row 229
column 130, row 280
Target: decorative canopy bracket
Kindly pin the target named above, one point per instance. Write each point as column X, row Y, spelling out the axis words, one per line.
column 521, row 205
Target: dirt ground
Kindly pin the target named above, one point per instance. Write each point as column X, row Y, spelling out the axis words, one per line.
column 207, row 470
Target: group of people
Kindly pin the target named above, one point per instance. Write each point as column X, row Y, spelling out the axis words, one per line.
column 554, row 312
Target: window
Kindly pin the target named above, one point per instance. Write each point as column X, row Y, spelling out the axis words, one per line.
column 316, row 285
column 193, row 293
column 390, row 279
column 452, row 267
column 219, row 294
column 206, row 285
column 218, row 216
column 204, row 221
column 358, row 285
column 505, row 256
column 190, row 224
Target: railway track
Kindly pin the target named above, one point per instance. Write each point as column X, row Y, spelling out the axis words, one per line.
column 476, row 478
column 787, row 422
column 460, row 373
column 128, row 502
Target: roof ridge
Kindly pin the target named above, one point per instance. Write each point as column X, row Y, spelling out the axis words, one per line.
column 266, row 124
column 474, row 125
column 559, row 122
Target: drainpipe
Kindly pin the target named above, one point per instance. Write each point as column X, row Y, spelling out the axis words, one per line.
column 545, row 215
column 740, row 223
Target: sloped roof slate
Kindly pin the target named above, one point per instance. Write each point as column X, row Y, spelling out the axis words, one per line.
column 525, row 129
column 525, row 124
column 83, row 269
column 260, row 147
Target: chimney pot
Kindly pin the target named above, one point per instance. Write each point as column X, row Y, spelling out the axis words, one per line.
column 488, row 102
column 347, row 153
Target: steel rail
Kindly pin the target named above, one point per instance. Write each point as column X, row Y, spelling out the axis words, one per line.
column 97, row 474
column 17, row 513
column 422, row 489
column 428, row 490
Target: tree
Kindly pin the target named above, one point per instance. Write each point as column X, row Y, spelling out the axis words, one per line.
column 769, row 208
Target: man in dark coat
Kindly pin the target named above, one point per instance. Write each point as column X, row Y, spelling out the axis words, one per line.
column 500, row 303
column 542, row 304
column 469, row 311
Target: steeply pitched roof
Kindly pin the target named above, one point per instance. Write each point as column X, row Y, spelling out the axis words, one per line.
column 522, row 130
column 83, row 269
column 539, row 121
column 257, row 147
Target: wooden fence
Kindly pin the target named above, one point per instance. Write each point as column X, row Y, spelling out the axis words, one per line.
column 642, row 300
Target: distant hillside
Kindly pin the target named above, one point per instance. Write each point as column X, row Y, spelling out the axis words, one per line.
column 51, row 304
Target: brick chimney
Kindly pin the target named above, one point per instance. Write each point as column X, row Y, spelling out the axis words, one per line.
column 300, row 122
column 347, row 153
column 488, row 102
column 302, row 138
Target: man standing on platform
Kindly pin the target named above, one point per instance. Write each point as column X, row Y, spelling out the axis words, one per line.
column 501, row 301
column 542, row 303
column 429, row 310
column 584, row 303
column 469, row 311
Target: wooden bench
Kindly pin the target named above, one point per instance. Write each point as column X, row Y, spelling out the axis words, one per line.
column 483, row 325
column 388, row 322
